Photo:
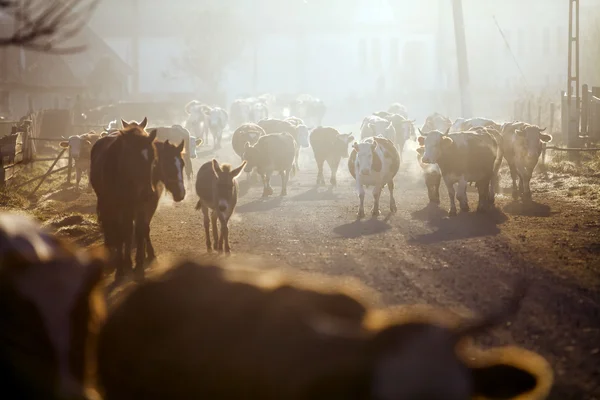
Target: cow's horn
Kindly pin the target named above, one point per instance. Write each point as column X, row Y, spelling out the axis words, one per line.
column 542, row 130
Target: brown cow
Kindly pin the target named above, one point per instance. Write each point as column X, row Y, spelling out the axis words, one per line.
column 81, row 151
column 121, row 176
column 51, row 308
column 329, row 145
column 217, row 188
column 206, row 332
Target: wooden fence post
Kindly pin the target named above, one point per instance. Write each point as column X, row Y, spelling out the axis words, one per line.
column 69, row 166
column 585, row 105
column 2, row 173
column 47, row 173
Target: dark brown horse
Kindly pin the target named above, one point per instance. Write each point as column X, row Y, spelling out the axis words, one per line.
column 168, row 174
column 121, row 175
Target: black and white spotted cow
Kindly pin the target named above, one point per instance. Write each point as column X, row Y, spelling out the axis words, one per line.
column 374, row 162
column 51, row 309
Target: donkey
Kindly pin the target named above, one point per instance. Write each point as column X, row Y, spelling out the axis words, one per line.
column 168, row 174
column 217, row 189
column 121, row 173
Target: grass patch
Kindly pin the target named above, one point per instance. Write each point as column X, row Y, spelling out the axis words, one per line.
column 588, row 164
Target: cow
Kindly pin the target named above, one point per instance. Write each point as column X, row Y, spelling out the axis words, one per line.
column 217, row 329
column 464, row 157
column 404, row 128
column 168, row 175
column 436, row 122
column 258, row 111
column 272, row 152
column 198, row 119
column 329, row 145
column 218, row 118
column 121, row 173
column 177, row 133
column 523, row 145
column 217, row 189
column 298, row 131
column 80, row 149
column 432, row 175
column 246, row 133
column 51, row 309
column 373, row 125
column 397, row 108
column 239, row 112
column 374, row 162
column 462, row 124
column 309, row 108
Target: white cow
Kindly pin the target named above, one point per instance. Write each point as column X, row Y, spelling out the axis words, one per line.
column 80, row 147
column 218, row 119
column 374, row 162
column 373, row 125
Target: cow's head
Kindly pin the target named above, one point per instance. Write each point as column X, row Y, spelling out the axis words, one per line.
column 193, row 143
column 532, row 138
column 367, row 159
column 340, row 146
column 80, row 145
column 251, row 156
column 51, row 308
column 302, row 134
column 215, row 116
column 435, row 143
column 225, row 185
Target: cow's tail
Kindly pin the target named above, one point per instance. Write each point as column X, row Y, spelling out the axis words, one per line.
column 199, row 205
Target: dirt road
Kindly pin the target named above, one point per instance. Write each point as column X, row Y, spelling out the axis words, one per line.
column 419, row 255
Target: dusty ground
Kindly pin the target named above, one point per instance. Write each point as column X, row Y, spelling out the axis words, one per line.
column 416, row 255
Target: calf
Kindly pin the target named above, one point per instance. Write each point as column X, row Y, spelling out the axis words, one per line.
column 432, row 175
column 81, row 149
column 51, row 309
column 298, row 131
column 329, row 146
column 523, row 145
column 377, row 126
column 464, row 157
column 217, row 122
column 230, row 331
column 374, row 162
column 272, row 152
column 217, row 188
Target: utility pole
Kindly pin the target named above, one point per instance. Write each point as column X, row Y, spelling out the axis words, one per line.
column 573, row 78
column 461, row 55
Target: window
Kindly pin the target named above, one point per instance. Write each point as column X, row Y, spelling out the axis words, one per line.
column 362, row 55
column 394, row 53
column 376, row 53
column 546, row 44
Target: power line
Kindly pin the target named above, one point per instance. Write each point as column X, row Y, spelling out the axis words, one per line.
column 511, row 52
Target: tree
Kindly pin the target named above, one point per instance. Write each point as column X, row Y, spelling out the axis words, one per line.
column 217, row 36
column 45, row 25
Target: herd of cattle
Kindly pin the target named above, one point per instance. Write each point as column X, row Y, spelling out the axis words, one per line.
column 220, row 330
column 129, row 168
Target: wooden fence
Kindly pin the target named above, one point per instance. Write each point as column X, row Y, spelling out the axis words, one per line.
column 21, row 144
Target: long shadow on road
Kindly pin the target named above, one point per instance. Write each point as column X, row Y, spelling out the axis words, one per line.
column 463, row 226
column 362, row 228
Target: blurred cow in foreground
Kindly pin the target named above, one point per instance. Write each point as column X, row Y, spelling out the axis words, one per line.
column 227, row 331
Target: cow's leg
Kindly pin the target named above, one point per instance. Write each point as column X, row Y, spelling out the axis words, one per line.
column 207, row 228
column 493, row 190
column 483, row 188
column 376, row 195
column 462, row 195
column 436, row 188
column 526, row 179
column 333, row 165
column 514, row 176
column 451, row 196
column 267, row 190
column 320, row 177
column 361, row 197
column 390, row 186
column 215, row 229
column 285, row 178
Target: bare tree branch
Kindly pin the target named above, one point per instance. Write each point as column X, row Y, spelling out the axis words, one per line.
column 43, row 25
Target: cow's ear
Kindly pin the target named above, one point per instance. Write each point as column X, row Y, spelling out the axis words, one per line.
column 355, row 146
column 421, row 140
column 510, row 372
column 544, row 137
column 64, row 144
column 350, row 138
